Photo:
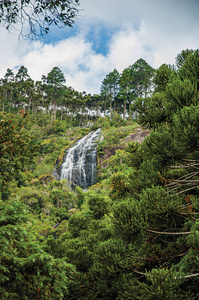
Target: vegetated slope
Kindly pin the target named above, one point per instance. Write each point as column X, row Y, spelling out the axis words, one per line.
column 133, row 235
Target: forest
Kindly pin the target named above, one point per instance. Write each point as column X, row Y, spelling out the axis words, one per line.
column 135, row 233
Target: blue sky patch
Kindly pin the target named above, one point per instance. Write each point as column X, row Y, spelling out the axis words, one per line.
column 100, row 37
column 58, row 34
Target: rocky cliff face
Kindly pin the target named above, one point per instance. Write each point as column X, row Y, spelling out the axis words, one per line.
column 80, row 161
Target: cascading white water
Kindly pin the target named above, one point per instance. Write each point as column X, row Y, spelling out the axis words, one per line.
column 79, row 166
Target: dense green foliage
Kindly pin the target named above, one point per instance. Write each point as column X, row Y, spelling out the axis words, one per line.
column 134, row 234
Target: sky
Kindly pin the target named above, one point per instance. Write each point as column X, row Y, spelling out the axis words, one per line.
column 107, row 35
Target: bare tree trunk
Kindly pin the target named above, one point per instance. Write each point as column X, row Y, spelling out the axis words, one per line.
column 105, row 108
column 29, row 104
column 110, row 106
column 114, row 100
column 124, row 113
column 35, row 114
column 61, row 113
column 32, row 107
column 55, row 109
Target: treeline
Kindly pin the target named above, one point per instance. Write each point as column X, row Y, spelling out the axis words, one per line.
column 120, row 90
column 48, row 96
column 51, row 95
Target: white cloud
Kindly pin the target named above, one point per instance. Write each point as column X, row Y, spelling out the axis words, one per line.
column 75, row 58
column 154, row 30
column 126, row 47
column 67, row 53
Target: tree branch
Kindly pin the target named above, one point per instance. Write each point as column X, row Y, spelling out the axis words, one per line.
column 168, row 233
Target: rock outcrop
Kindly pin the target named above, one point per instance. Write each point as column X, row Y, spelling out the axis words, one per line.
column 139, row 136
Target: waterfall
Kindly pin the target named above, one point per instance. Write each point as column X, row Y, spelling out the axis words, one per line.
column 80, row 161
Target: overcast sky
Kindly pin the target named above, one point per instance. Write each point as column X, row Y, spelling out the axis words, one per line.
column 107, row 34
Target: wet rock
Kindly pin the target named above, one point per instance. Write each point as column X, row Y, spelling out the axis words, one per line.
column 80, row 161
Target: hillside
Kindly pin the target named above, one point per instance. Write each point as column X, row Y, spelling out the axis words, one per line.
column 132, row 235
